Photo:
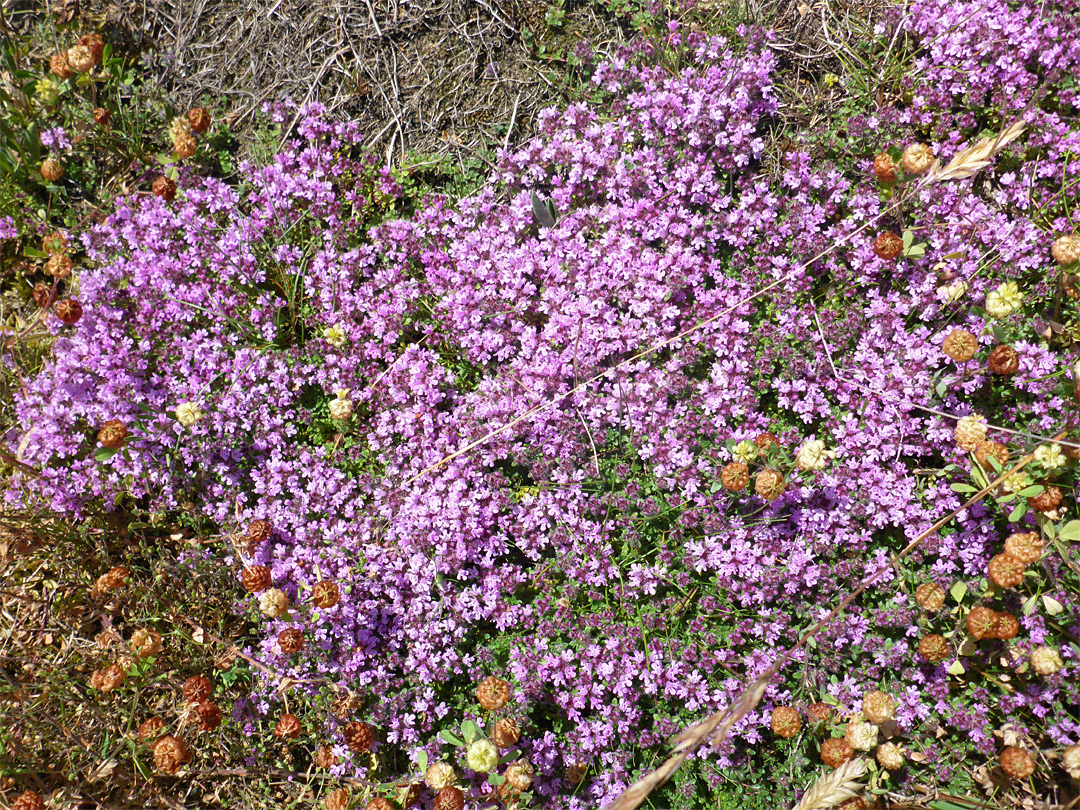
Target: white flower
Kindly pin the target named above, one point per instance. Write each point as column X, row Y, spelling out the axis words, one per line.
column 1016, row 482
column 952, row 292
column 745, row 451
column 335, row 336
column 1004, row 301
column 812, row 455
column 861, row 736
column 342, row 407
column 1049, row 456
column 188, row 413
column 273, row 602
column 482, row 756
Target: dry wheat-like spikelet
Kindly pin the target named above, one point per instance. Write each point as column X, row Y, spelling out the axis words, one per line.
column 969, row 162
column 834, row 787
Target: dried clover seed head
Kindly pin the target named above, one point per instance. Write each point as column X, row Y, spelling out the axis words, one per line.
column 493, row 693
column 291, row 640
column 766, row 440
column 273, row 603
column 981, row 623
column 209, row 715
column 58, row 64
column 197, row 688
column 449, row 798
column 102, row 116
column 1017, row 762
column 519, row 775
column 359, row 737
column 1046, row 661
column 960, row 345
column 890, row 756
column 164, row 187
column 1006, row 571
column 575, row 772
column 934, row 648
column 1070, row 760
column 770, row 484
column 259, row 531
column 338, row 799
column 884, row 168
column 1003, row 359
column 818, row 712
column 324, row 757
column 1046, row 501
column 917, row 159
column 861, row 736
column 59, row 266
column 113, row 434
column 170, row 754
column 1066, row 249
column 785, row 722
column 1027, row 547
column 146, row 642
column 930, row 596
column 150, row 729
column 41, row 295
column 108, row 679
column 288, row 727
column 69, row 311
column 51, row 169
column 198, row 119
column 970, row 432
column 256, row 578
column 116, row 576
column 888, row 245
column 325, row 594
column 1007, row 627
column 878, row 708
column 505, row 733
column 439, row 775
column 835, row 752
column 987, row 450
column 735, row 476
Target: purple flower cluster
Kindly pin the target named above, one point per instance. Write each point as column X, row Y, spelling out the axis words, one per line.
column 603, row 370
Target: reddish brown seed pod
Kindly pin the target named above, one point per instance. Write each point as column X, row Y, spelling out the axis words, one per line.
column 288, row 727
column 917, row 159
column 113, row 434
column 28, row 800
column 209, row 715
column 95, row 44
column 505, row 733
column 981, row 622
column 256, row 578
column 164, row 187
column 150, row 729
column 884, row 168
column 1007, row 627
column 197, row 688
column 359, row 737
column 325, row 594
column 1006, row 571
column 324, row 757
column 835, row 751
column 59, row 265
column 493, row 693
column 1003, row 360
column 766, row 440
column 58, row 64
column 1017, row 762
column 960, row 345
column 770, row 484
column 878, row 707
column 338, row 799
column 108, row 679
column 52, row 169
column 990, row 449
column 41, row 295
column 199, row 119
column 888, row 245
column 449, row 798
column 69, row 311
column 934, row 648
column 1027, row 547
column 170, row 754
column 930, row 596
column 102, row 116
column 1046, row 501
column 291, row 640
column 116, row 577
column 735, row 476
column 785, row 722
column 259, row 531
column 818, row 712
column 379, row 803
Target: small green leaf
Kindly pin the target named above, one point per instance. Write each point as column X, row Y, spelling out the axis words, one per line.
column 164, row 159
column 470, row 731
column 958, row 591
column 34, row 253
column 941, row 388
column 1052, row 605
column 1018, row 512
column 965, row 488
column 421, row 761
column 827, row 698
column 957, row 668
column 453, row 739
column 909, row 237
column 105, row 453
column 1031, row 492
column 1070, row 531
column 495, row 779
column 1029, row 606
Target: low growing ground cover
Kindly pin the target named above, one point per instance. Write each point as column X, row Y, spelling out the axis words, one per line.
column 529, row 481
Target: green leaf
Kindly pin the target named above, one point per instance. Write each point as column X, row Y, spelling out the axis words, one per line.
column 105, row 453
column 827, row 698
column 909, row 237
column 941, row 388
column 172, row 173
column 1028, row 606
column 958, row 591
column 470, row 731
column 1070, row 531
column 1018, row 512
column 1052, row 605
column 495, row 779
column 421, row 762
column 450, row 737
column 957, row 668
column 165, row 160
column 963, row 488
column 34, row 253
column 1031, row 492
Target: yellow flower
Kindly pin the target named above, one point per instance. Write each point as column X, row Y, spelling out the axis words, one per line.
column 335, row 336
column 1004, row 301
column 1049, row 456
column 48, row 91
column 745, row 451
column 482, row 756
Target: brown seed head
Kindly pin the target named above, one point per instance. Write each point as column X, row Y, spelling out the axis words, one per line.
column 930, row 596
column 146, row 642
column 28, row 800
column 878, row 707
column 108, row 679
column 493, row 693
column 256, row 578
column 766, row 440
column 735, row 476
column 291, row 640
column 818, row 712
column 1016, row 762
column 981, row 623
column 96, row 45
column 449, row 798
column 917, row 159
column 288, row 727
column 1003, row 360
column 209, row 714
column 164, row 187
column 835, row 752
column 359, row 737
column 890, row 756
column 1066, row 249
column 58, row 64
column 379, row 803
column 52, row 170
column 1046, row 501
column 199, row 119
column 1027, row 547
column 80, row 58
column 116, row 576
column 59, row 266
column 990, row 449
column 770, row 484
column 197, row 688
column 325, row 594
column 934, row 648
column 338, row 799
column 185, row 146
column 519, row 775
column 151, row 729
column 1007, row 627
column 888, row 245
column 575, row 772
column 505, row 733
column 1046, row 661
column 102, row 116
column 439, row 775
column 41, row 295
column 785, row 722
column 259, row 531
column 324, row 757
column 69, row 311
column 1006, row 571
column 54, row 242
column 113, row 434
column 170, row 754
column 960, row 345
column 884, row 168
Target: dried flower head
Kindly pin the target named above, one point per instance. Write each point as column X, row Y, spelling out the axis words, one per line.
column 519, row 775
column 164, row 187
column 785, row 722
column 146, row 642
column 54, row 242
column 1050, row 457
column 917, row 159
column 1066, row 249
column 288, row 727
column 113, row 434
column 185, row 146
column 735, row 476
column 1003, row 360
column 989, row 449
column 746, row 451
column 150, row 729
column 81, row 58
column 981, row 622
column 359, row 737
column 1046, row 660
column 812, row 456
column 1070, row 761
column 96, row 45
column 575, row 772
column 439, row 775
column 1027, row 547
column 1048, row 500
column 770, row 484
column 505, row 733
column 198, row 119
column 930, row 596
column 291, row 640
column 256, row 578
column 763, row 441
column 888, row 245
column 449, row 798
column 170, row 754
column 338, row 799
column 179, row 127
column 108, row 679
column 325, row 594
column 1017, row 763
column 1007, row 627
column 189, row 413
column 41, row 295
column 69, row 311
column 934, row 648
column 197, row 688
column 259, row 531
column 59, row 266
column 884, row 168
column 102, row 116
column 890, row 756
column 117, row 577
column 58, row 64
column 1006, row 571
column 861, row 736
column 273, row 603
column 324, row 757
column 835, row 752
column 817, row 712
column 209, row 715
column 493, row 693
column 878, row 707
column 379, row 803
column 341, row 407
column 482, row 755
column 960, row 345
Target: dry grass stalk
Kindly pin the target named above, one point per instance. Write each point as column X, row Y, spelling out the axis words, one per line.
column 835, row 787
column 974, row 159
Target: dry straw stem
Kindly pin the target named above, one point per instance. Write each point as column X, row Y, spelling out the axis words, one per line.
column 974, row 159
column 692, row 737
column 835, row 787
